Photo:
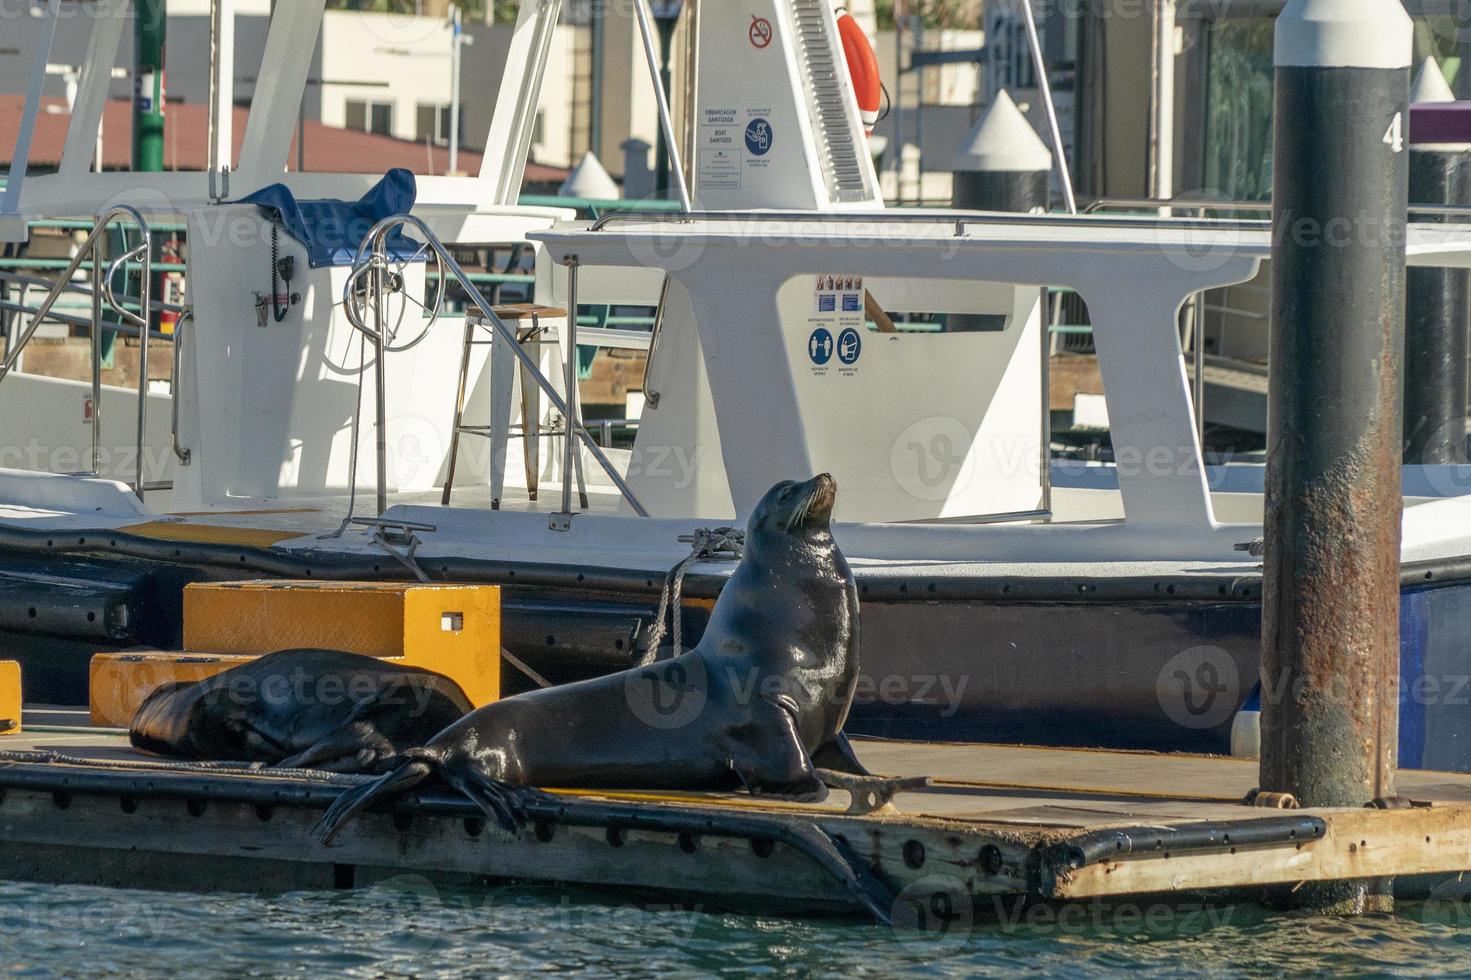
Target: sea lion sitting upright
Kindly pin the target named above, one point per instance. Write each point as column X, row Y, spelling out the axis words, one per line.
column 319, row 709
column 763, row 694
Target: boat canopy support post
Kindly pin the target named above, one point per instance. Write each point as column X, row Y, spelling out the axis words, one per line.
column 1330, row 619
column 666, row 119
column 80, row 153
column 1044, row 87
column 20, row 159
column 514, row 121
column 275, row 106
column 221, row 94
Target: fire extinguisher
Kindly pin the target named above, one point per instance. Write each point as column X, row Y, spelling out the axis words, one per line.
column 172, row 292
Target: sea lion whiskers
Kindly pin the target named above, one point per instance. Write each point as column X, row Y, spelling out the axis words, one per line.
column 799, row 516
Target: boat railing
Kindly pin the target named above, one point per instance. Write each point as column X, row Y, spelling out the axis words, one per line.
column 133, row 312
column 1201, row 205
column 365, row 293
column 961, row 220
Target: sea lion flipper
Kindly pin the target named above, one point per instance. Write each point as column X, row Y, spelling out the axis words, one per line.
column 497, row 799
column 837, row 755
column 350, row 748
column 770, row 758
column 411, row 773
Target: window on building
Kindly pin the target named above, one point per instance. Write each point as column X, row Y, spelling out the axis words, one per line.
column 1238, row 110
column 370, row 117
column 432, row 122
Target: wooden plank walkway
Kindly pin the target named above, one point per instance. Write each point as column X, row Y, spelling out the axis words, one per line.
column 1038, row 823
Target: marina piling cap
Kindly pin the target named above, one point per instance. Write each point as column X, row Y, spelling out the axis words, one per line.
column 1344, row 34
column 589, row 180
column 1430, row 85
column 1002, row 142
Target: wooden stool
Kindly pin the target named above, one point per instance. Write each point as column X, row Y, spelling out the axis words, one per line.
column 530, row 323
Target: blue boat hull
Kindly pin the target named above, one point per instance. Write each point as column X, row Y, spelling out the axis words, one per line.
column 1133, row 674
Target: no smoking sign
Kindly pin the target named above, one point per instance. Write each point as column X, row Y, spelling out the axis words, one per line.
column 760, row 32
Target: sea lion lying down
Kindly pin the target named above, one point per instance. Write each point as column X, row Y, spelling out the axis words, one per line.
column 760, row 702
column 319, row 709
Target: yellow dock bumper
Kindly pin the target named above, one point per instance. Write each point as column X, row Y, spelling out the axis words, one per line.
column 454, row 630
column 119, row 682
column 10, row 697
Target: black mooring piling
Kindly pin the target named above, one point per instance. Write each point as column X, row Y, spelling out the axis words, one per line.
column 1330, row 629
column 1002, row 165
column 1437, row 301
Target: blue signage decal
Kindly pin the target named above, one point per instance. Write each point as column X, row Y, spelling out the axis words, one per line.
column 850, row 345
column 820, row 346
column 850, row 302
column 758, row 137
column 827, row 303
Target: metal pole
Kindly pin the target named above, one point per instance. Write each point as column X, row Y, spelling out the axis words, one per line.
column 692, row 80
column 380, row 376
column 16, row 172
column 595, row 107
column 664, row 141
column 666, row 121
column 897, row 151
column 221, row 85
column 1196, row 312
column 454, row 89
column 97, row 268
column 569, row 377
column 150, row 20
column 1330, row 616
column 1044, row 88
column 1162, row 121
column 145, row 324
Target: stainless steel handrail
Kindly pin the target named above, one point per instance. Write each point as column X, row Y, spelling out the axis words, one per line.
column 1202, row 204
column 651, row 397
column 157, row 306
column 960, row 219
column 372, row 256
column 180, row 452
column 102, row 289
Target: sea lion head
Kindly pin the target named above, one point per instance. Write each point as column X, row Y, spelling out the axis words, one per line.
column 797, row 509
column 166, row 720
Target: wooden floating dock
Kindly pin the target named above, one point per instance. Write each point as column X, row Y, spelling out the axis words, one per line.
column 79, row 805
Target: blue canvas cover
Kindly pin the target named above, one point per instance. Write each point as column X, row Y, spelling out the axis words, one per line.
column 332, row 231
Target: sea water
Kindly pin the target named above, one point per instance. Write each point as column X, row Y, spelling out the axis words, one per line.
column 408, row 926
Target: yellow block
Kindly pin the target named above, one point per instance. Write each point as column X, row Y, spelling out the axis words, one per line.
column 454, row 630
column 9, row 697
column 118, row 682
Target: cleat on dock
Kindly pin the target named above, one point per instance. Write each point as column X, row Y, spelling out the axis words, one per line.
column 869, row 794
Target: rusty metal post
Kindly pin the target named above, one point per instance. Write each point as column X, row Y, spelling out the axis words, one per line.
column 1330, row 629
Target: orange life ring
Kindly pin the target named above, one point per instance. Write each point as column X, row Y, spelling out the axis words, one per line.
column 863, row 68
